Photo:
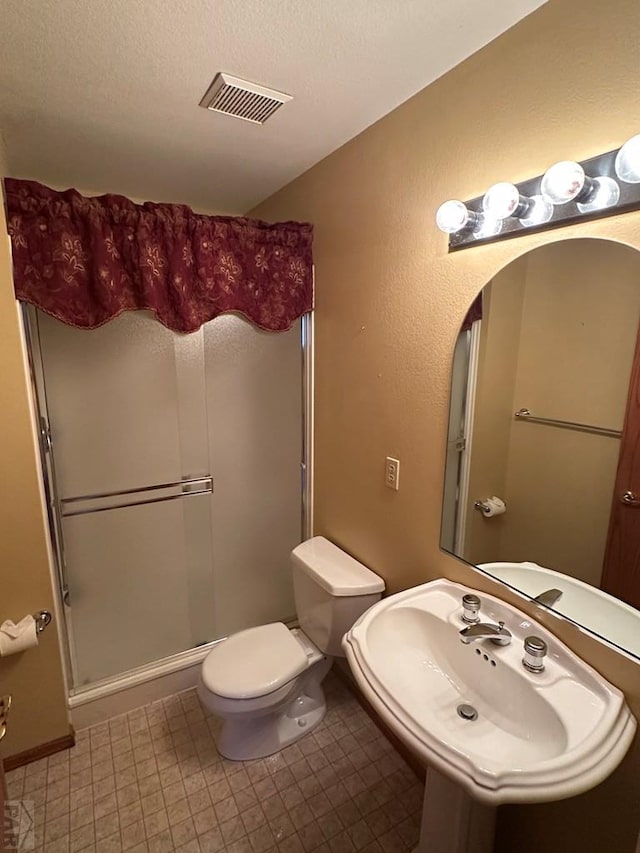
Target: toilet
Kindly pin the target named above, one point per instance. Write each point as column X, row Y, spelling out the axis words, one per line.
column 265, row 682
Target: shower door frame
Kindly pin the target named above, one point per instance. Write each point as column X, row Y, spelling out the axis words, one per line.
column 180, row 660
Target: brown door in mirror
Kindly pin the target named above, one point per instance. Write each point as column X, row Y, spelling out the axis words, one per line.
column 621, row 569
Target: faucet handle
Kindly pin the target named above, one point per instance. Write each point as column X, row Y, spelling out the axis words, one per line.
column 535, row 650
column 471, row 608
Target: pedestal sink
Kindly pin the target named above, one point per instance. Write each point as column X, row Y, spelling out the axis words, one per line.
column 489, row 730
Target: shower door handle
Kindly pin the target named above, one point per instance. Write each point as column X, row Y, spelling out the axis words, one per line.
column 45, row 433
column 54, row 509
column 126, row 498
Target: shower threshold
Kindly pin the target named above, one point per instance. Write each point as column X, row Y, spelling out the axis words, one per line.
column 140, row 675
column 101, row 700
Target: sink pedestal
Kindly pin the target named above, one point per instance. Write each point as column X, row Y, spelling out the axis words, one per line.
column 476, row 715
column 452, row 821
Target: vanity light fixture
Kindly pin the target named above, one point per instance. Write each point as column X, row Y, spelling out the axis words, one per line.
column 568, row 192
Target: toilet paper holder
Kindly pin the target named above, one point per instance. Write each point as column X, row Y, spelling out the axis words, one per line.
column 490, row 507
column 42, row 619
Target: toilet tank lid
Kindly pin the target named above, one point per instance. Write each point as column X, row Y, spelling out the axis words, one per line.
column 334, row 570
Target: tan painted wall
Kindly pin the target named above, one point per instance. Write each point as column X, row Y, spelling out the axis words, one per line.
column 390, row 301
column 34, row 678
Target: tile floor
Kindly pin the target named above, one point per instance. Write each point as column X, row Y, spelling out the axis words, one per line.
column 152, row 781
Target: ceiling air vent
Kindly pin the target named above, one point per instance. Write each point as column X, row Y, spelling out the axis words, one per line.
column 242, row 99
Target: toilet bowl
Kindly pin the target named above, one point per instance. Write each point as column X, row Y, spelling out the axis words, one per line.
column 265, row 683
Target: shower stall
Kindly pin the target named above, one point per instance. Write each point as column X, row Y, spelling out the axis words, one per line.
column 177, row 482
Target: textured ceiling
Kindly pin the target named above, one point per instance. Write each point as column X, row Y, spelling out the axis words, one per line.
column 103, row 94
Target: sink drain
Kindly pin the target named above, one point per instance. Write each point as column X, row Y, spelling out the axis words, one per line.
column 467, row 712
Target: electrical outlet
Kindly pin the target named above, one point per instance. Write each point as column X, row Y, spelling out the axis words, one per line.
column 392, row 473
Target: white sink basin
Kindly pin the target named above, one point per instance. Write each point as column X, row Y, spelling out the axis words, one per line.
column 537, row 737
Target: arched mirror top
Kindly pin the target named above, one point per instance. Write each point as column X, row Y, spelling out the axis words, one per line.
column 543, row 427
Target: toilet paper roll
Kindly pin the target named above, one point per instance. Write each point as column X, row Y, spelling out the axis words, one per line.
column 494, row 506
column 18, row 637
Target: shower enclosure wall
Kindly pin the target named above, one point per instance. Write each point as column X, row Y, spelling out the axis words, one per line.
column 175, row 474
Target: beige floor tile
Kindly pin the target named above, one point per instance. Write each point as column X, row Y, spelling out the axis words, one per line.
column 226, row 809
column 133, row 834
column 105, row 805
column 161, row 843
column 149, row 785
column 82, row 838
column 205, row 820
column 183, row 832
column 56, row 828
column 156, row 823
column 128, row 795
column 199, row 801
column 60, row 845
column 232, row 830
column 57, row 808
column 177, row 812
column 173, row 793
column 81, row 816
column 152, row 780
column 219, row 791
column 107, row 825
column 130, row 814
column 211, row 841
column 192, row 846
column 112, row 844
column 152, row 803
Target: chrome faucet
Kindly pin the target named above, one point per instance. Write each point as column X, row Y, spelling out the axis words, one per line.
column 549, row 597
column 498, row 634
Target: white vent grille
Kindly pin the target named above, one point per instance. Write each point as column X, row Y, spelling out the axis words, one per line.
column 242, row 99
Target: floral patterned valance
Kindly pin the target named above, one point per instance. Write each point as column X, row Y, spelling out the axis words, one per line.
column 86, row 260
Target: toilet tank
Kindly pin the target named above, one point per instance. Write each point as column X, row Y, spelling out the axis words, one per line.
column 331, row 591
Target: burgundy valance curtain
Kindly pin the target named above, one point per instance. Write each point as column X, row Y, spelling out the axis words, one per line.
column 86, row 260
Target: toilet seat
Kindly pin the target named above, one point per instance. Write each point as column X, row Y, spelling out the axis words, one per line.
column 254, row 662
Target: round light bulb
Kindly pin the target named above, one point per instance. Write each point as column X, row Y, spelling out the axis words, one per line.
column 606, row 193
column 487, row 226
column 563, row 182
column 452, row 216
column 540, row 212
column 501, row 200
column 628, row 161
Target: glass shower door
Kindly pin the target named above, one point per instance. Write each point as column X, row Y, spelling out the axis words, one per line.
column 127, row 415
column 254, row 407
column 178, row 482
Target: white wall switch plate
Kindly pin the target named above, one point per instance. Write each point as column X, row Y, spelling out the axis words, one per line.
column 392, row 473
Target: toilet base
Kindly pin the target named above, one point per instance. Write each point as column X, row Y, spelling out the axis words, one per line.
column 246, row 739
